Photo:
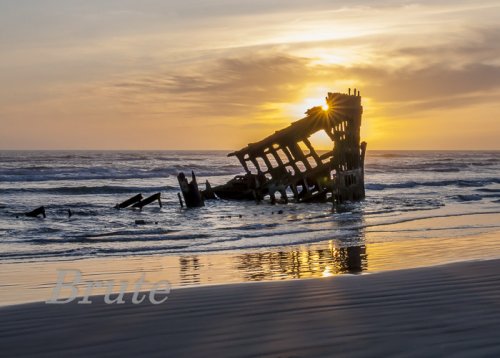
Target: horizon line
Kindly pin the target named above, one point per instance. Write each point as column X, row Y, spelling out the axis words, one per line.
column 232, row 150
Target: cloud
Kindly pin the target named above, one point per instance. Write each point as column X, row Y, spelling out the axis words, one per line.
column 428, row 83
column 224, row 87
column 473, row 45
column 230, row 65
column 243, row 86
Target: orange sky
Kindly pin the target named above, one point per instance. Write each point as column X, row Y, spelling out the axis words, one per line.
column 159, row 74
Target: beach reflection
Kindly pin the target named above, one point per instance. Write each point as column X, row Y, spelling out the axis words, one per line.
column 34, row 281
column 302, row 263
column 189, row 269
column 327, row 258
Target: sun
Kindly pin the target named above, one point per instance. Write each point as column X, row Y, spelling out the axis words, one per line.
column 325, row 107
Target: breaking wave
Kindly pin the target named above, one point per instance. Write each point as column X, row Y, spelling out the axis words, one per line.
column 86, row 190
column 454, row 182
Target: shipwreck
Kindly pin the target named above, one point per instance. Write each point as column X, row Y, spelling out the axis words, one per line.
column 286, row 163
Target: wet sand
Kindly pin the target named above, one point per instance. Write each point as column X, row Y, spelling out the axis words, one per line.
column 23, row 282
column 436, row 311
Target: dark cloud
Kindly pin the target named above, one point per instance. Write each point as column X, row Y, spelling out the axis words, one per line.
column 235, row 86
column 451, row 75
column 228, row 86
column 441, row 103
column 429, row 83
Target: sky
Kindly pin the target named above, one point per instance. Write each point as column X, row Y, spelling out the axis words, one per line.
column 218, row 74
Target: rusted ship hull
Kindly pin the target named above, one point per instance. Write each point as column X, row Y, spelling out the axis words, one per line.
column 286, row 161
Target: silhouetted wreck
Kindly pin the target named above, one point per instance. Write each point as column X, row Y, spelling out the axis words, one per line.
column 286, row 161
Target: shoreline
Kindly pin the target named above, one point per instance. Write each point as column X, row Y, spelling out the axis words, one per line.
column 446, row 309
column 34, row 281
column 245, row 283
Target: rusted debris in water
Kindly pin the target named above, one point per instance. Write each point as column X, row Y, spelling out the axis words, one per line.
column 149, row 200
column 137, row 201
column 37, row 212
column 190, row 191
column 287, row 161
column 180, row 200
column 208, row 193
column 128, row 202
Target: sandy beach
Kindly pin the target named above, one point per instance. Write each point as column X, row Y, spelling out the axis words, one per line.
column 249, row 179
column 448, row 310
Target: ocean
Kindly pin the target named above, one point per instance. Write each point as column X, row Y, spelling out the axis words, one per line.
column 400, row 187
column 422, row 208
